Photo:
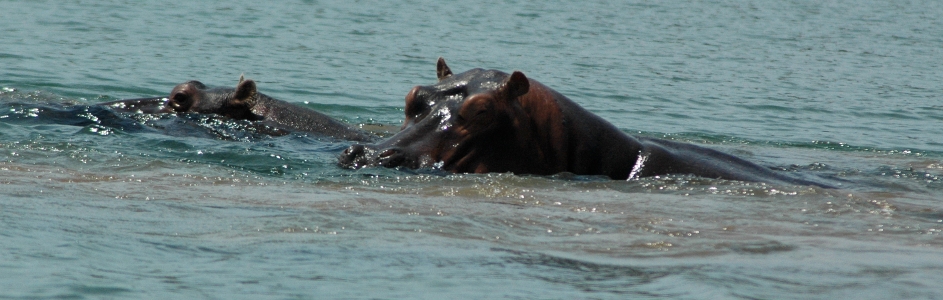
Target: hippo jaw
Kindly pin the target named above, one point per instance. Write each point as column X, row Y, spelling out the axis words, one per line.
column 458, row 156
column 360, row 156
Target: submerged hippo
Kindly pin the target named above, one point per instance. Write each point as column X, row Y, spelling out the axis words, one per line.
column 489, row 121
column 243, row 102
column 152, row 105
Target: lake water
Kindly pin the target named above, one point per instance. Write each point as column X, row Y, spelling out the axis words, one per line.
column 95, row 204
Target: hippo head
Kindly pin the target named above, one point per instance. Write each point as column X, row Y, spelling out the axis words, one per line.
column 193, row 96
column 465, row 123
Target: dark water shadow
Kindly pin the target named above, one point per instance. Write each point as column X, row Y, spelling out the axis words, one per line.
column 592, row 277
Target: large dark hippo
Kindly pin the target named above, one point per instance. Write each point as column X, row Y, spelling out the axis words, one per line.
column 489, row 121
column 243, row 102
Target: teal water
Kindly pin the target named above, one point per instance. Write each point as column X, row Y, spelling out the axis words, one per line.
column 98, row 205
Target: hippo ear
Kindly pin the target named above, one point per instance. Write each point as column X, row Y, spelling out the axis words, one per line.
column 441, row 69
column 246, row 93
column 515, row 86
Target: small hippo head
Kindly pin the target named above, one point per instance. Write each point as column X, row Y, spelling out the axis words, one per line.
column 194, row 96
column 465, row 123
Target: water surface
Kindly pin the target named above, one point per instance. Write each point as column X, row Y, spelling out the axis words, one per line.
column 98, row 204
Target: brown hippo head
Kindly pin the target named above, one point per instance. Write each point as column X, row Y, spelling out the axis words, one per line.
column 194, row 96
column 474, row 122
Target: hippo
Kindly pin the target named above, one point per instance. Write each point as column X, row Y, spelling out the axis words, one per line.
column 243, row 102
column 151, row 105
column 484, row 121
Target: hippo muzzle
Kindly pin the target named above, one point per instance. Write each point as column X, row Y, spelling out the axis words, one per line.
column 358, row 156
column 410, row 148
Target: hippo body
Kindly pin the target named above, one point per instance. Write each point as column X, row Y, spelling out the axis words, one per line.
column 489, row 121
column 243, row 102
column 153, row 105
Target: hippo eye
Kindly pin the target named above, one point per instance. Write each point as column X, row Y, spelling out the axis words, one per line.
column 180, row 101
column 414, row 103
column 180, row 97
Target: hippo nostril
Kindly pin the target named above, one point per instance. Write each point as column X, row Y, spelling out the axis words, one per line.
column 354, row 150
column 353, row 157
column 387, row 153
